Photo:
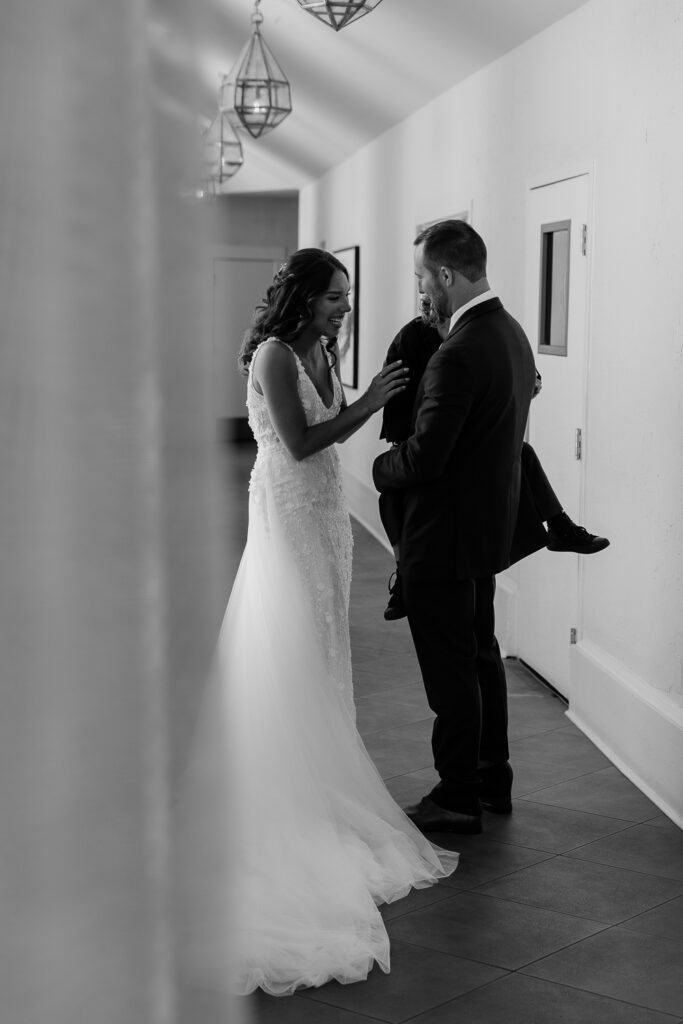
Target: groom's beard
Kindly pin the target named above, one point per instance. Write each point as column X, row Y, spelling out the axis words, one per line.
column 439, row 301
column 432, row 319
column 428, row 315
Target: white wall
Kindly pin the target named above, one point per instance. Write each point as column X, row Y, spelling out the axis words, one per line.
column 603, row 89
column 270, row 219
column 246, row 238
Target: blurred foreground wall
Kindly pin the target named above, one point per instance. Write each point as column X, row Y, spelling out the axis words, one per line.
column 108, row 599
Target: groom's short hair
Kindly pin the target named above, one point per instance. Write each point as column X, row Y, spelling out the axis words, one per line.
column 454, row 244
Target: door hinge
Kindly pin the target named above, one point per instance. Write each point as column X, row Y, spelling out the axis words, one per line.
column 572, row 635
column 578, row 444
column 584, row 239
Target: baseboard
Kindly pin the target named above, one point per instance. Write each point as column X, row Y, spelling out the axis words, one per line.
column 637, row 728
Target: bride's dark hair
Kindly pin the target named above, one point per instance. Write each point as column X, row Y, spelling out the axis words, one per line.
column 286, row 309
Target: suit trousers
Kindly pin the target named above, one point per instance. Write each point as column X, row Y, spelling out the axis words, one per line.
column 452, row 625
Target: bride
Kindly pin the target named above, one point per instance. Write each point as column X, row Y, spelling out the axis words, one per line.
column 289, row 837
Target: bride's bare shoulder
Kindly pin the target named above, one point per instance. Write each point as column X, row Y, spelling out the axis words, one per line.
column 274, row 361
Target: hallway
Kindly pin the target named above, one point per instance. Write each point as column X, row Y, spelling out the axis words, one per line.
column 571, row 909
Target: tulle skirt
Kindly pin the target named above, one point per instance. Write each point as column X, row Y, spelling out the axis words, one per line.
column 287, row 837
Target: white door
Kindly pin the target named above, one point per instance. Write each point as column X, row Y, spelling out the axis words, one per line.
column 240, row 281
column 556, row 309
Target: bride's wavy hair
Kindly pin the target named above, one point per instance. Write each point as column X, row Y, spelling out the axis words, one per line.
column 287, row 307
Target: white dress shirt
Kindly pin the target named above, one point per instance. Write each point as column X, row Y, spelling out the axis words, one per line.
column 484, row 297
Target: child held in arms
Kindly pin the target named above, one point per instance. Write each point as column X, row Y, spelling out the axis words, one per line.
column 415, row 344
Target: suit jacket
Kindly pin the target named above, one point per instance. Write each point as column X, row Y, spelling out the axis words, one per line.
column 460, row 470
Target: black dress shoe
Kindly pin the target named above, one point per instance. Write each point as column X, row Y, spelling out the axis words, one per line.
column 395, row 608
column 429, row 817
column 496, row 788
column 565, row 535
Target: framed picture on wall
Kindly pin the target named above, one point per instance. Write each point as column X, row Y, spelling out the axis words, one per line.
column 461, row 215
column 348, row 336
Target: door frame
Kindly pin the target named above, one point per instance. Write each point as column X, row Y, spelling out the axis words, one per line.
column 229, row 428
column 542, row 179
column 554, row 176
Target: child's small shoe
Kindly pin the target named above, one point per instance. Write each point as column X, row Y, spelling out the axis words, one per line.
column 395, row 608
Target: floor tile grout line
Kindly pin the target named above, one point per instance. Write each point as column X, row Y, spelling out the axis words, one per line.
column 557, row 764
column 514, row 846
column 563, row 807
column 539, row 849
column 517, row 903
column 577, row 810
column 623, row 867
column 390, row 778
column 499, row 967
column 569, row 945
column 564, row 913
column 577, row 988
column 527, row 796
column 547, row 981
column 589, row 991
column 462, row 995
column 459, row 956
column 508, row 873
column 506, row 971
column 544, row 789
column 506, row 974
column 356, row 1013
column 598, row 863
column 404, row 725
column 633, row 931
column 581, row 775
column 475, row 889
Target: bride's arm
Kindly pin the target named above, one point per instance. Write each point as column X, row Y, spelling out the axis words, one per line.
column 276, row 377
column 337, row 372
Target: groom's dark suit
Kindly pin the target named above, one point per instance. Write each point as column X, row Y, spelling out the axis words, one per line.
column 460, row 477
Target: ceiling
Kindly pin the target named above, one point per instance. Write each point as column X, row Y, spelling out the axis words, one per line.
column 348, row 87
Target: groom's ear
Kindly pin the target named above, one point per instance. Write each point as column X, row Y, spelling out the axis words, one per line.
column 446, row 276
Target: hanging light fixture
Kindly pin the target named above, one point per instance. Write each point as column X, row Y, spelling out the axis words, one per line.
column 261, row 93
column 211, row 153
column 222, row 152
column 338, row 13
column 231, row 153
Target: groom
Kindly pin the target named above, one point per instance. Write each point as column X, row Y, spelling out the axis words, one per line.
column 460, row 477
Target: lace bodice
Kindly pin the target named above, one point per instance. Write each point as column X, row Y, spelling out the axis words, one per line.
column 315, row 480
column 307, row 499
column 314, row 408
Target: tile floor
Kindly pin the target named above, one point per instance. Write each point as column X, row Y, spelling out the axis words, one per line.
column 570, row 910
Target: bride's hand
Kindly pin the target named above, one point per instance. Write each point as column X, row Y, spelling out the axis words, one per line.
column 390, row 381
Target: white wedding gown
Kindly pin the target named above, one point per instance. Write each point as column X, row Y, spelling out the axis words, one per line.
column 289, row 837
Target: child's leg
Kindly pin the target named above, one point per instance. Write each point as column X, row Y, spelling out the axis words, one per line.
column 391, row 514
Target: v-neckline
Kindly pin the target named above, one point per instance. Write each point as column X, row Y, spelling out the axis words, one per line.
column 313, row 384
